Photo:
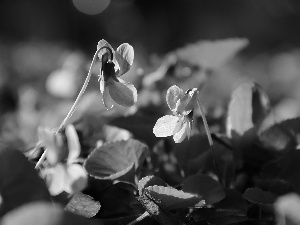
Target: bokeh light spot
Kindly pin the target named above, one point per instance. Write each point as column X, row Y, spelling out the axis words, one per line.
column 91, row 7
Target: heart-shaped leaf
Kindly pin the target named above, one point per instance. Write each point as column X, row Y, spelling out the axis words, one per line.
column 204, row 187
column 19, row 181
column 189, row 150
column 248, row 106
column 83, row 205
column 150, row 181
column 286, row 168
column 278, row 137
column 141, row 126
column 42, row 214
column 116, row 159
column 212, row 54
column 172, row 198
column 233, row 202
column 257, row 195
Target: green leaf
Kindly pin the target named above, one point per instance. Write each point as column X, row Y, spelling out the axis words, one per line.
column 278, row 137
column 283, row 135
column 116, row 159
column 19, row 181
column 205, row 187
column 150, row 181
column 212, row 54
column 248, row 106
column 83, row 205
column 233, row 202
column 42, row 214
column 257, row 195
column 189, row 150
column 286, row 168
column 141, row 126
column 172, row 198
column 230, row 210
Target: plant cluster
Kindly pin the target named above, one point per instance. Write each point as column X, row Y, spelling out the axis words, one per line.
column 127, row 169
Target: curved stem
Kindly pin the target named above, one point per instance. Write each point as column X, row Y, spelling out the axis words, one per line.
column 70, row 113
column 140, row 218
column 205, row 122
column 86, row 82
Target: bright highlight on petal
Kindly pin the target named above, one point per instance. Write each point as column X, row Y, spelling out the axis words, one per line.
column 122, row 93
column 174, row 93
column 107, row 100
column 165, row 126
column 124, row 56
column 73, row 143
column 181, row 134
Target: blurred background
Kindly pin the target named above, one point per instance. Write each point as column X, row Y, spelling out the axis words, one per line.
column 46, row 48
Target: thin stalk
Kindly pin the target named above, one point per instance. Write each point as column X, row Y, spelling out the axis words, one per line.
column 205, row 123
column 86, row 82
column 70, row 113
column 218, row 171
column 139, row 219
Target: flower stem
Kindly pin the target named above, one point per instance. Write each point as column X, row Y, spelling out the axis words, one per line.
column 70, row 113
column 205, row 122
column 86, row 82
column 140, row 218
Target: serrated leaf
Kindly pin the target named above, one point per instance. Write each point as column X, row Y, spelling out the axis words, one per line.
column 42, row 214
column 113, row 133
column 172, row 198
column 248, row 106
column 212, row 54
column 278, row 137
column 17, row 177
column 189, row 150
column 218, row 217
column 257, row 195
column 115, row 159
column 286, row 168
column 83, row 205
column 140, row 126
column 150, row 181
column 233, row 202
column 204, row 187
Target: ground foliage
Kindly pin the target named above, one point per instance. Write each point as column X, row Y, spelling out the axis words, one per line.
column 131, row 176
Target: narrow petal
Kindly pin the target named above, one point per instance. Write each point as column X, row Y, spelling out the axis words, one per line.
column 178, row 125
column 193, row 101
column 73, row 143
column 122, row 93
column 165, row 126
column 76, row 178
column 102, row 44
column 107, row 100
column 124, row 56
column 187, row 103
column 181, row 134
column 189, row 128
column 174, row 93
column 101, row 83
column 54, row 145
column 56, row 179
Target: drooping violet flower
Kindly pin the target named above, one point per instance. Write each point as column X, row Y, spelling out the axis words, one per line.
column 63, row 172
column 180, row 123
column 113, row 65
